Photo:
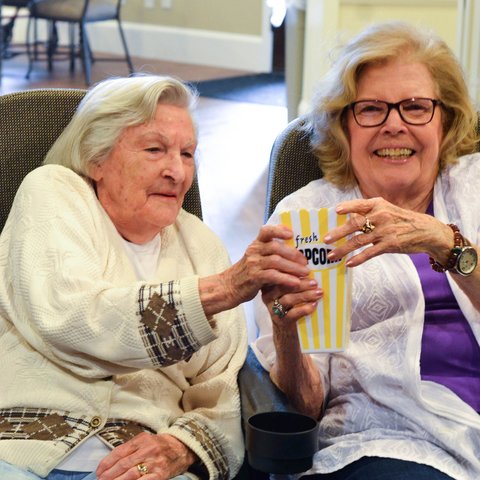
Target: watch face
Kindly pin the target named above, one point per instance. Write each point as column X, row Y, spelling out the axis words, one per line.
column 467, row 261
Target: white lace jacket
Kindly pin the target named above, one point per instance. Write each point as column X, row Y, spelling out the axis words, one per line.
column 377, row 403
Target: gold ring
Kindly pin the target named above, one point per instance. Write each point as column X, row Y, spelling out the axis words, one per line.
column 142, row 468
column 368, row 226
column 278, row 309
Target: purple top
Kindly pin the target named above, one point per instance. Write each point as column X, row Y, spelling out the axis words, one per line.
column 450, row 353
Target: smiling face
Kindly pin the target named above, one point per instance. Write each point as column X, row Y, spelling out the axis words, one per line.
column 142, row 182
column 396, row 160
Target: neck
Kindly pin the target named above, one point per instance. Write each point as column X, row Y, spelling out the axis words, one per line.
column 137, row 237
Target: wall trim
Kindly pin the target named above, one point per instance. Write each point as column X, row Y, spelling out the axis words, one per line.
column 183, row 45
column 198, row 47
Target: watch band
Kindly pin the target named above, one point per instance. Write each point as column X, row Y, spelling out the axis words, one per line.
column 458, row 243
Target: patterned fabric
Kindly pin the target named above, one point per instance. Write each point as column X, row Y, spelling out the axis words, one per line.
column 377, row 403
column 213, row 449
column 42, row 424
column 117, row 431
column 164, row 330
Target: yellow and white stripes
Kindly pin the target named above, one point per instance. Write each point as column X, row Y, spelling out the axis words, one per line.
column 327, row 329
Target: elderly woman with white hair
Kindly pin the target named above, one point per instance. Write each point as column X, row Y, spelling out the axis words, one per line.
column 121, row 334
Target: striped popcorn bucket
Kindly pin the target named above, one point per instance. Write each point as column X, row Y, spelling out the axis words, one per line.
column 328, row 328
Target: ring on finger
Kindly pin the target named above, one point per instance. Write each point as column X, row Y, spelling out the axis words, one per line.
column 278, row 309
column 142, row 469
column 367, row 227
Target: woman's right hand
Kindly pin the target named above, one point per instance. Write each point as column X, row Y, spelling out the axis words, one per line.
column 268, row 261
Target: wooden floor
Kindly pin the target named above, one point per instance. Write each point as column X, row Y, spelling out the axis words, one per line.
column 234, row 142
column 15, row 69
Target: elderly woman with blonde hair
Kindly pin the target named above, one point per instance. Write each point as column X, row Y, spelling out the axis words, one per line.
column 394, row 130
column 121, row 331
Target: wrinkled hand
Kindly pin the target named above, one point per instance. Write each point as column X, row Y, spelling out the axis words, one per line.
column 397, row 230
column 298, row 302
column 164, row 455
column 267, row 261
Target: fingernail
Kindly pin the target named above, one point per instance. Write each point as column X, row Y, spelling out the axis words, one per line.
column 339, row 209
column 312, row 283
column 327, row 238
column 331, row 254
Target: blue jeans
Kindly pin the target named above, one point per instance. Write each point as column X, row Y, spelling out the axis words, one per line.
column 376, row 468
column 10, row 472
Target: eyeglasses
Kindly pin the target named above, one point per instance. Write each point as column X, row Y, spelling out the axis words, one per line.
column 414, row 111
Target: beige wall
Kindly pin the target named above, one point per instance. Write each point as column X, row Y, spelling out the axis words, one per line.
column 439, row 16
column 330, row 22
column 232, row 16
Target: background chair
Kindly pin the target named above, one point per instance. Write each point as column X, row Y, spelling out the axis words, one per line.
column 76, row 13
column 8, row 23
column 292, row 164
column 31, row 122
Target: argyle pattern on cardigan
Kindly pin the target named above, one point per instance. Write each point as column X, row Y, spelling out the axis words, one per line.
column 163, row 328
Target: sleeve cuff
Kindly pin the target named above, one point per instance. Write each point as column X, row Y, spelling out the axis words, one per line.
column 193, row 310
column 200, row 440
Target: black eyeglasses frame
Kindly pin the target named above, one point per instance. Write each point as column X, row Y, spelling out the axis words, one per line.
column 394, row 106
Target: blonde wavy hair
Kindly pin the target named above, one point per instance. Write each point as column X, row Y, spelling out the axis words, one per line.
column 378, row 44
column 107, row 109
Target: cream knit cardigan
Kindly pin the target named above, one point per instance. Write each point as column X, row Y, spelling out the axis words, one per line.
column 86, row 349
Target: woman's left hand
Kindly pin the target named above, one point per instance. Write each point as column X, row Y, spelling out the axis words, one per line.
column 297, row 302
column 294, row 372
column 163, row 456
column 395, row 230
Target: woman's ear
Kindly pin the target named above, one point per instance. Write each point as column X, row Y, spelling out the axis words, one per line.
column 95, row 171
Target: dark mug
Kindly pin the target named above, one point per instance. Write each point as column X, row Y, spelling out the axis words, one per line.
column 281, row 442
